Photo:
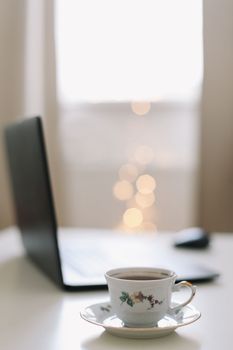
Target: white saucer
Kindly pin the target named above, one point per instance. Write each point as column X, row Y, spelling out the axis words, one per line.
column 101, row 314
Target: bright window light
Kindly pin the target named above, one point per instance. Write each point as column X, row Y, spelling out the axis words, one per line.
column 128, row 50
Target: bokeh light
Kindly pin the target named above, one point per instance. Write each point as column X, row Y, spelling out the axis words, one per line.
column 123, row 190
column 145, row 184
column 145, row 200
column 133, row 217
column 141, row 108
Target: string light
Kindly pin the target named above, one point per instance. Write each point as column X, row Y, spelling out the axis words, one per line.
column 145, row 200
column 140, row 108
column 141, row 210
column 133, row 217
column 146, row 184
column 123, row 190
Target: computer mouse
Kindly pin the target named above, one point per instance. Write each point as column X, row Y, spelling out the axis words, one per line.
column 194, row 237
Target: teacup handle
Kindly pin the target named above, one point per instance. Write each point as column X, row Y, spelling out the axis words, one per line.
column 177, row 288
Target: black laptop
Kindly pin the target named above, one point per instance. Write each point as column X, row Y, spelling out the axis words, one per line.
column 73, row 259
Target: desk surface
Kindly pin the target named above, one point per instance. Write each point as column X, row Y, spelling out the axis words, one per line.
column 34, row 314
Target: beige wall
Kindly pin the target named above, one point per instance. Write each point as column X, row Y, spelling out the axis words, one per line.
column 11, row 69
column 216, row 198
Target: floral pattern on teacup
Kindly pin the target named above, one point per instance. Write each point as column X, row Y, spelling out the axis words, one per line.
column 139, row 297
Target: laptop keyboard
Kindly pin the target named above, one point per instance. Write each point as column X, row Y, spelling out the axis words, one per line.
column 90, row 256
column 86, row 264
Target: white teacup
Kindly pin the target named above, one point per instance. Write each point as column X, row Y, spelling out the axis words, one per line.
column 141, row 296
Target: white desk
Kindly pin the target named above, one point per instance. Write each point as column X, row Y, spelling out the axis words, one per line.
column 35, row 315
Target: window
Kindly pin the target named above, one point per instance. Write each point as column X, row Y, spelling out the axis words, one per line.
column 111, row 57
column 126, row 50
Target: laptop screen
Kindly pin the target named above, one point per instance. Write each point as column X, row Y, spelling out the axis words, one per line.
column 32, row 194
